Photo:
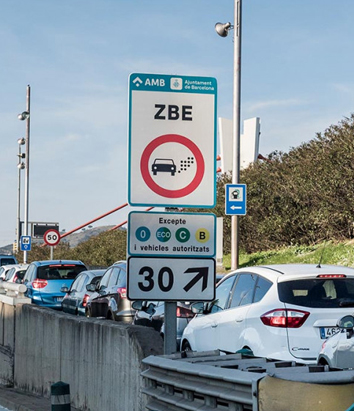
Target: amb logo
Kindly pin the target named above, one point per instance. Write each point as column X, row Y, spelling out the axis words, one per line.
column 158, row 82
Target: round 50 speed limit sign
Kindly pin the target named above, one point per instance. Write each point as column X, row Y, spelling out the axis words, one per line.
column 51, row 237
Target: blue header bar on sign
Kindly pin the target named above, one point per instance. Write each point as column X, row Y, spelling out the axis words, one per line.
column 174, row 83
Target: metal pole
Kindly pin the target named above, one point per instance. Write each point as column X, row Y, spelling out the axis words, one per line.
column 236, row 127
column 170, row 323
column 18, row 198
column 28, row 109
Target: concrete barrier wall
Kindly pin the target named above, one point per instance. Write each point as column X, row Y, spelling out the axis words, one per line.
column 7, row 343
column 101, row 360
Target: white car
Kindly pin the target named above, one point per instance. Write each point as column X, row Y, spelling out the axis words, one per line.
column 338, row 350
column 16, row 273
column 4, row 269
column 281, row 312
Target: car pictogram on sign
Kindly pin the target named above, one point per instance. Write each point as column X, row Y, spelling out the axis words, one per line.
column 163, row 165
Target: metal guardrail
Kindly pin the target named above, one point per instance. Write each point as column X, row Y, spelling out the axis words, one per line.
column 173, row 385
column 211, row 381
column 12, row 289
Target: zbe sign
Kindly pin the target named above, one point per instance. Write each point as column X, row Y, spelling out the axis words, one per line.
column 172, row 140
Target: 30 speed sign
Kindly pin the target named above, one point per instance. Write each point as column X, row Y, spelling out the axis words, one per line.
column 171, row 279
column 51, row 237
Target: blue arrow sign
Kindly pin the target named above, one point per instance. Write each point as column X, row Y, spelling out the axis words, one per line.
column 235, row 199
column 25, row 243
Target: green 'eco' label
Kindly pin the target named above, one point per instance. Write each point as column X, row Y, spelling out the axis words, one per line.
column 163, row 234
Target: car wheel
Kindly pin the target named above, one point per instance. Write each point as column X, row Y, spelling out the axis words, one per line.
column 186, row 346
column 109, row 315
column 322, row 361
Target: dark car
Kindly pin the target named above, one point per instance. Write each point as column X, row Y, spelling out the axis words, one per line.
column 110, row 297
column 44, row 280
column 165, row 165
column 77, row 295
column 152, row 314
column 7, row 259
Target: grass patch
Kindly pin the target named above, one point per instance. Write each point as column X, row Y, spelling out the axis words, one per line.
column 327, row 253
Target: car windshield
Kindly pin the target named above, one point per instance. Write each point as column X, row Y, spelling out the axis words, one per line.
column 318, row 293
column 59, row 271
column 163, row 161
column 9, row 274
column 7, row 261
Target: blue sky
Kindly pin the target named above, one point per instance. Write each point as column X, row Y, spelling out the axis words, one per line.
column 297, row 66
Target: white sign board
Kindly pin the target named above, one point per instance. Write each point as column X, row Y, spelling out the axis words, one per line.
column 172, row 140
column 171, row 279
column 171, row 234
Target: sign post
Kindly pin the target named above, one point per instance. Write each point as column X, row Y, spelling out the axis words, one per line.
column 52, row 238
column 171, row 163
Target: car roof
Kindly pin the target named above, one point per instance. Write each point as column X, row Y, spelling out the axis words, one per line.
column 119, row 263
column 95, row 272
column 19, row 266
column 7, row 266
column 288, row 271
column 52, row 262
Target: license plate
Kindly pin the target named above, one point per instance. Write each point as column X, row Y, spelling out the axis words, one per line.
column 328, row 332
column 59, row 299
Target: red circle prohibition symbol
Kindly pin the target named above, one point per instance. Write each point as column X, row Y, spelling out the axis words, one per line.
column 145, row 172
column 51, row 241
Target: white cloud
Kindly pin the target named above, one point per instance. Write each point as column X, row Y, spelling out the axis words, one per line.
column 253, row 107
column 347, row 88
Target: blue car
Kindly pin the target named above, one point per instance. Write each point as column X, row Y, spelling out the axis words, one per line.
column 44, row 279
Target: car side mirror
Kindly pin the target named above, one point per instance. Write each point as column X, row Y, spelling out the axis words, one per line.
column 346, row 322
column 102, row 290
column 91, row 287
column 197, row 308
column 137, row 305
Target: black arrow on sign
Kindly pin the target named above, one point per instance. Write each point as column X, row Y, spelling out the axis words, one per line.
column 202, row 273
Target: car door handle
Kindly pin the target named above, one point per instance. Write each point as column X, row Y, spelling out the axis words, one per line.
column 214, row 325
column 239, row 320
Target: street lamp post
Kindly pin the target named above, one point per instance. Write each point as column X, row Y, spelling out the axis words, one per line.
column 20, row 166
column 25, row 115
column 223, row 30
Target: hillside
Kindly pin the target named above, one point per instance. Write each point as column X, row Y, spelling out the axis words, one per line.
column 329, row 252
column 73, row 239
column 82, row 236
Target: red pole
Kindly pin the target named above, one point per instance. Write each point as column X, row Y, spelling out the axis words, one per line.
column 95, row 219
column 125, row 222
